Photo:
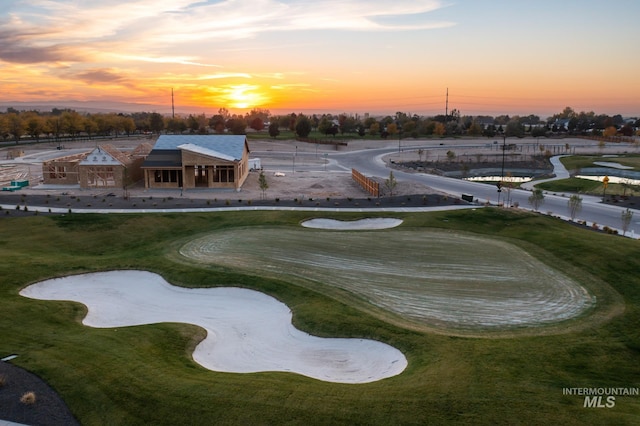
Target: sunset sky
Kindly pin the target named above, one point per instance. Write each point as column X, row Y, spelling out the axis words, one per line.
column 355, row 56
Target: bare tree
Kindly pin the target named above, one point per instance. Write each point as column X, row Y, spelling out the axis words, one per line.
column 391, row 183
column 262, row 180
column 626, row 217
column 536, row 199
column 575, row 206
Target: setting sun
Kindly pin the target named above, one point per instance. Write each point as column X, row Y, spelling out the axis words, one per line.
column 244, row 96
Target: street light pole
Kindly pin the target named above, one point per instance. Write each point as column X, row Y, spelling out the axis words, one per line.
column 504, row 146
column 294, row 159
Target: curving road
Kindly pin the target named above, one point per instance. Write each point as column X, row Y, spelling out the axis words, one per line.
column 370, row 162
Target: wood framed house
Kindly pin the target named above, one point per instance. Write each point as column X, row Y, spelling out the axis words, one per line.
column 108, row 167
column 62, row 170
column 197, row 161
column 105, row 166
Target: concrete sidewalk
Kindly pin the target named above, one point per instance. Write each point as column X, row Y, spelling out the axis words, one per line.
column 559, row 171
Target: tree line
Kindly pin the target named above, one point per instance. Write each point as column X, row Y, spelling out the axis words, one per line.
column 17, row 125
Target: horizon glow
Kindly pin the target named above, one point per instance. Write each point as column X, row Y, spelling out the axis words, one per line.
column 349, row 56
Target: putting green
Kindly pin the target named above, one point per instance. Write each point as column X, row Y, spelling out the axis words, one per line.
column 435, row 278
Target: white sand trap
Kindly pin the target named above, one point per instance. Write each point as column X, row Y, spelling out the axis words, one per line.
column 350, row 225
column 247, row 331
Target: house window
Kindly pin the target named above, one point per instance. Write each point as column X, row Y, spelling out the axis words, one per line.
column 163, row 176
column 223, row 174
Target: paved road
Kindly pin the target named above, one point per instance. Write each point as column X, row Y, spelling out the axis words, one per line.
column 370, row 163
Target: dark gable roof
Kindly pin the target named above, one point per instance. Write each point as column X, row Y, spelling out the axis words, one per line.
column 164, row 158
column 230, row 146
column 167, row 151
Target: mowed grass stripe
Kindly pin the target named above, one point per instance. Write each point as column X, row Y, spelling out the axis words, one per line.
column 427, row 276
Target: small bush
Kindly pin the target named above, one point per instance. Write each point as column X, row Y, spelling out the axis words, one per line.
column 208, row 202
column 28, row 398
column 3, row 380
column 227, row 202
column 277, row 200
column 249, row 202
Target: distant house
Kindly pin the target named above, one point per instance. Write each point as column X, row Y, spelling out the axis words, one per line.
column 197, row 161
column 102, row 167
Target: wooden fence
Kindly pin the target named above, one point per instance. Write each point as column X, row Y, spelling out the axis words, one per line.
column 369, row 185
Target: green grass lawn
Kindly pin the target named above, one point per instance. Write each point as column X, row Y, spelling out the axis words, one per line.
column 592, row 187
column 577, row 185
column 575, row 162
column 144, row 375
column 586, row 186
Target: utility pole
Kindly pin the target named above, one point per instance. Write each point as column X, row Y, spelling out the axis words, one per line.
column 173, row 110
column 446, row 107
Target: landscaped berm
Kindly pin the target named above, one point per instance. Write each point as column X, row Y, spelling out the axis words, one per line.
column 478, row 316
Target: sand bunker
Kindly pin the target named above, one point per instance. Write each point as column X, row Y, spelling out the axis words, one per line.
column 247, row 331
column 351, row 225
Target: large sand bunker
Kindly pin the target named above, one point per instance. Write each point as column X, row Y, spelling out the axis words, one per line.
column 247, row 331
column 436, row 278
